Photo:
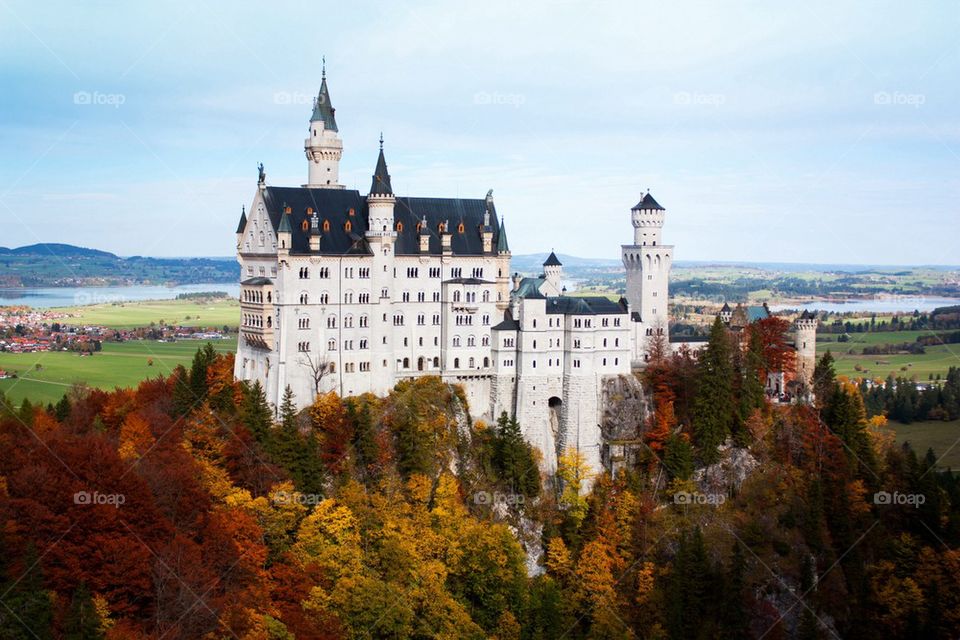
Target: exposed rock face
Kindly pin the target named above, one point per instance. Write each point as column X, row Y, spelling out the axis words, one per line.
column 726, row 475
column 623, row 420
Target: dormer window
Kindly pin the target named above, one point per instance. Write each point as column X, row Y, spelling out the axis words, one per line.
column 460, row 228
column 399, row 227
column 348, row 226
column 326, row 225
column 419, row 226
column 304, row 225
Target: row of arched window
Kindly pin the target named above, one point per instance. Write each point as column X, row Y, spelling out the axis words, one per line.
column 252, row 295
column 252, row 320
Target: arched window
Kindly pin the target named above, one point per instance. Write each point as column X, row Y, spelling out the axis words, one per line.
column 460, row 228
column 456, row 363
column 486, row 362
column 399, row 227
column 406, row 363
column 456, row 296
column 304, row 225
column 436, row 362
column 348, row 226
column 326, row 225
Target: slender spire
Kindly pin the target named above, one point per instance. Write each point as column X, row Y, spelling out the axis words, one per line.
column 381, row 179
column 323, row 69
column 322, row 107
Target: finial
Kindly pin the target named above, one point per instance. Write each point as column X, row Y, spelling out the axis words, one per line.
column 381, row 141
column 243, row 209
column 324, row 68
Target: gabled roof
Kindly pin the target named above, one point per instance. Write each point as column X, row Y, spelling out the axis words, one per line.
column 243, row 220
column 647, row 202
column 322, row 109
column 381, row 179
column 726, row 307
column 552, row 261
column 755, row 313
column 529, row 288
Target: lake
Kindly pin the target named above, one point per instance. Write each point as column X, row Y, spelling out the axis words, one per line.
column 878, row 304
column 45, row 297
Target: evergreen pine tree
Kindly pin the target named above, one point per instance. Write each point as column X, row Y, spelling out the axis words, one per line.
column 26, row 606
column 62, row 409
column 514, row 458
column 678, row 457
column 752, row 395
column 82, row 621
column 808, row 621
column 713, row 407
column 734, row 613
column 255, row 412
column 183, row 398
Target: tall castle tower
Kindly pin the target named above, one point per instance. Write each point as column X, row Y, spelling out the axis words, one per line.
column 323, row 146
column 806, row 344
column 647, row 262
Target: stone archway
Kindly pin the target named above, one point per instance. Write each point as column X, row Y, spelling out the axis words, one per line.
column 556, row 416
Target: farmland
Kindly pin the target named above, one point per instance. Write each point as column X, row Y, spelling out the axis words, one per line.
column 942, row 437
column 196, row 313
column 122, row 364
column 937, row 359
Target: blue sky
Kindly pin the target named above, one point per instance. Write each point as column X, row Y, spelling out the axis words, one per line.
column 806, row 132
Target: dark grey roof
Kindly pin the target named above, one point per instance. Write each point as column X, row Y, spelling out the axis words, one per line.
column 502, row 246
column 322, row 109
column 726, row 307
column 243, row 220
column 808, row 315
column 585, row 306
column 334, row 206
column 508, row 323
column 381, row 179
column 678, row 339
column 647, row 202
column 529, row 288
column 552, row 261
column 258, row 280
column 455, row 211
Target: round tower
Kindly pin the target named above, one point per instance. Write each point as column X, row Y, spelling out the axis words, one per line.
column 647, row 218
column 323, row 146
column 806, row 344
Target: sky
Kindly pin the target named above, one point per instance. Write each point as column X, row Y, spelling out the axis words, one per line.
column 823, row 132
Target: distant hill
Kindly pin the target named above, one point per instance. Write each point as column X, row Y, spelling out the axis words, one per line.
column 59, row 250
column 65, row 265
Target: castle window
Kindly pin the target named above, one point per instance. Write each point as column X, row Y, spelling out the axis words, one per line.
column 436, row 362
column 486, row 362
column 472, row 361
column 304, row 225
column 456, row 363
column 456, row 341
column 351, row 212
column 348, row 226
column 399, row 227
column 471, row 341
column 331, row 345
column 326, row 225
column 460, row 228
column 303, row 298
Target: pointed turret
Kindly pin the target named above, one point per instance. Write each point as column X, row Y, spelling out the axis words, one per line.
column 243, row 220
column 552, row 261
column 381, row 179
column 502, row 245
column 284, row 231
column 323, row 146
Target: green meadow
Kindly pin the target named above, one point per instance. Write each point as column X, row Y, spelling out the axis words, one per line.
column 45, row 377
column 942, row 437
column 217, row 312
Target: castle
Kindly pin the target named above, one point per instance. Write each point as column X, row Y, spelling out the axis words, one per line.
column 350, row 292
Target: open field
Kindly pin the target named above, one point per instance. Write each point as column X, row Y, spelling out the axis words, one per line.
column 937, row 359
column 120, row 364
column 127, row 315
column 942, row 437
